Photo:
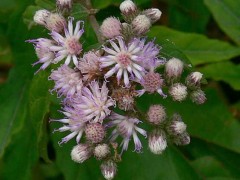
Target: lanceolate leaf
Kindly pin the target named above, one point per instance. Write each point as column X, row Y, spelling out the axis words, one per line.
column 226, row 13
column 198, row 48
column 224, row 71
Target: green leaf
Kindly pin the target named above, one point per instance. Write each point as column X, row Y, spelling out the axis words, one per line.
column 198, row 48
column 210, row 167
column 183, row 15
column 203, row 121
column 223, row 71
column 226, row 13
column 28, row 15
column 46, row 4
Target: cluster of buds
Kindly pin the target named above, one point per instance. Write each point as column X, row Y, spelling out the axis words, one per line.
column 93, row 85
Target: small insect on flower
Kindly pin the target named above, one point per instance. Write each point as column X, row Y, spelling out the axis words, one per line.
column 125, row 58
column 69, row 46
column 127, row 128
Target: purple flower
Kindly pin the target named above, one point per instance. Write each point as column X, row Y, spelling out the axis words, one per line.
column 69, row 46
column 123, row 59
column 67, row 81
column 94, row 103
column 45, row 56
column 127, row 128
column 73, row 123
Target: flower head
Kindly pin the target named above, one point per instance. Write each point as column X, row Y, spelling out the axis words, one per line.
column 108, row 169
column 41, row 16
column 111, row 28
column 93, row 105
column 67, row 81
column 81, row 153
column 45, row 56
column 174, row 68
column 64, row 4
column 55, row 22
column 178, row 92
column 95, row 132
column 89, row 66
column 125, row 58
column 73, row 123
column 141, row 24
column 128, row 7
column 153, row 14
column 127, row 128
column 101, row 151
column 156, row 114
column 69, row 46
column 157, row 141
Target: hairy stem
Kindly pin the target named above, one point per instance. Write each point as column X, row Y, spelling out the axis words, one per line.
column 93, row 20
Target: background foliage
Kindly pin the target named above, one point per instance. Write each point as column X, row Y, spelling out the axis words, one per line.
column 204, row 32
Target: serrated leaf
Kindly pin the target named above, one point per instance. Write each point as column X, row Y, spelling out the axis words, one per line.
column 198, row 48
column 227, row 15
column 223, row 71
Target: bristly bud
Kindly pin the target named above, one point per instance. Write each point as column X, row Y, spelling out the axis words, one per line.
column 157, row 142
column 153, row 14
column 174, row 68
column 156, row 114
column 124, row 98
column 193, row 80
column 81, row 153
column 101, row 151
column 178, row 92
column 152, row 82
column 64, row 5
column 182, row 139
column 141, row 24
column 176, row 126
column 198, row 96
column 55, row 22
column 128, row 7
column 41, row 16
column 89, row 66
column 111, row 28
column 95, row 132
column 109, row 169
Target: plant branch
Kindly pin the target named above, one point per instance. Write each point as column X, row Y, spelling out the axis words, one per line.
column 93, row 20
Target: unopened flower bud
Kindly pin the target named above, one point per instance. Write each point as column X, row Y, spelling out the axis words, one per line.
column 182, row 139
column 101, row 151
column 198, row 96
column 64, row 4
column 176, row 127
column 141, row 24
column 178, row 92
column 157, row 142
column 153, row 14
column 41, row 16
column 156, row 114
column 194, row 79
column 55, row 22
column 95, row 132
column 111, row 27
column 128, row 7
column 81, row 153
column 109, row 169
column 152, row 82
column 174, row 68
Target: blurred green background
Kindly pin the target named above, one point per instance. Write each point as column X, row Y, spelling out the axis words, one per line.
column 204, row 32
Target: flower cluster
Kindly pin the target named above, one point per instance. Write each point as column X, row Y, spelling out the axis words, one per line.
column 94, row 85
